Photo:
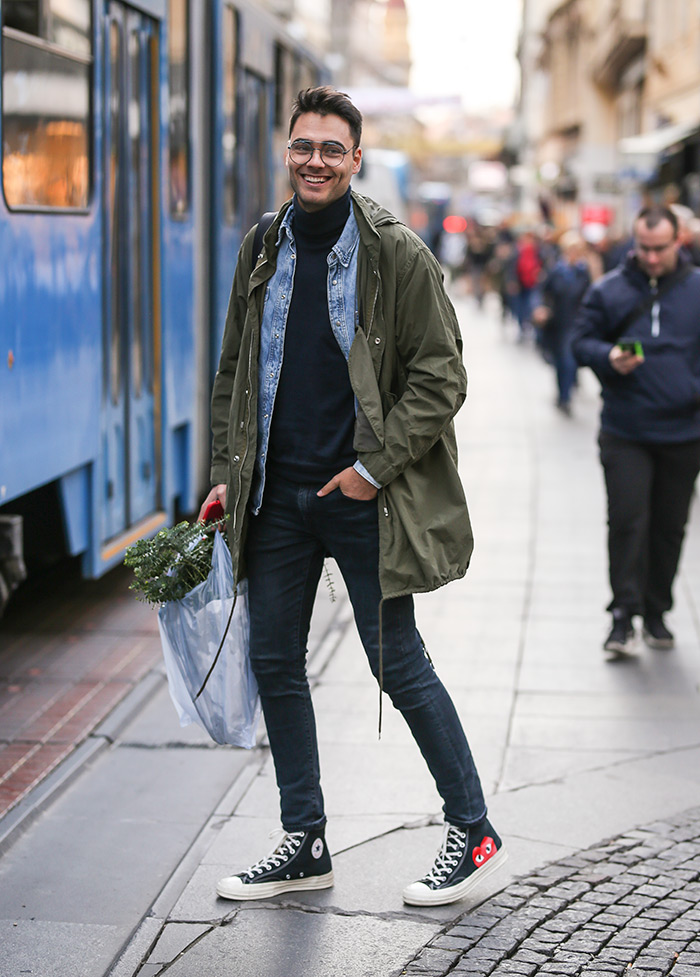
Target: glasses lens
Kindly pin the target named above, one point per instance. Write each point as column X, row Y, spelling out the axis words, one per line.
column 301, row 151
column 331, row 154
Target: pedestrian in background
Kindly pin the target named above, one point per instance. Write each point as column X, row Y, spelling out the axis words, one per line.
column 562, row 291
column 638, row 329
column 479, row 254
column 502, row 270
column 332, row 409
column 525, row 279
column 687, row 231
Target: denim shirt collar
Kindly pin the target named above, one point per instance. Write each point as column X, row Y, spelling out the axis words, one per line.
column 346, row 244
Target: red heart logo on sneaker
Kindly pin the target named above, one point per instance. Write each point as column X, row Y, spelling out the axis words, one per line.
column 481, row 853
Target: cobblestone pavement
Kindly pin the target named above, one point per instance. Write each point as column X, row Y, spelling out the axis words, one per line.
column 628, row 906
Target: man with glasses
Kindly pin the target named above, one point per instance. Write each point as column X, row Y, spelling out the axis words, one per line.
column 639, row 330
column 332, row 411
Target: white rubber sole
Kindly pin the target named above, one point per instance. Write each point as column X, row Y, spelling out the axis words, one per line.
column 418, row 894
column 234, row 888
column 615, row 650
column 660, row 644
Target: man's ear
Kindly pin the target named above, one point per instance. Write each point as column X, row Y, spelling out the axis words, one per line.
column 357, row 160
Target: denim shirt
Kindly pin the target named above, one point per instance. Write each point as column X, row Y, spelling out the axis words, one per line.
column 342, row 310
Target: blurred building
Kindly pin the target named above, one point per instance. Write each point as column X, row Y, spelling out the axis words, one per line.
column 619, row 116
column 527, row 131
column 365, row 41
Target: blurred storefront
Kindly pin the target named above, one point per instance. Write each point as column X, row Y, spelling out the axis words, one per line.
column 620, row 115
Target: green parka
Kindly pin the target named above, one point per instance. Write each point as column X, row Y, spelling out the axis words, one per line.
column 406, row 370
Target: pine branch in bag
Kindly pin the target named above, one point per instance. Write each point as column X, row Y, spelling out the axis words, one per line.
column 173, row 562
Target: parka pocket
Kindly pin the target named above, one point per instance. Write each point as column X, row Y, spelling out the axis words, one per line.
column 369, row 424
column 365, row 439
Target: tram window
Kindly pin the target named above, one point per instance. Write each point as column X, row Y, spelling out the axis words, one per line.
column 46, row 123
column 284, row 96
column 179, row 113
column 68, row 24
column 65, row 23
column 228, row 135
column 284, row 86
column 254, row 145
column 22, row 15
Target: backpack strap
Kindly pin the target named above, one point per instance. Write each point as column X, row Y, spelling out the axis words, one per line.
column 264, row 224
column 648, row 301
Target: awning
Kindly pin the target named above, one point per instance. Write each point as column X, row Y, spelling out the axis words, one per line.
column 653, row 143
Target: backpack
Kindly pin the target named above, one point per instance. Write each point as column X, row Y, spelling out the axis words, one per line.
column 528, row 266
column 264, row 223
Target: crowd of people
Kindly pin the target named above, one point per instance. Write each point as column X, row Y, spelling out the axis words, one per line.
column 627, row 308
column 540, row 275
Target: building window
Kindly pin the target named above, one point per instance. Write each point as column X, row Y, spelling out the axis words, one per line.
column 46, row 111
column 179, row 106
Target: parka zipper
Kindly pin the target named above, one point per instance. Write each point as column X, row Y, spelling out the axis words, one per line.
column 655, row 309
column 241, row 461
column 374, row 301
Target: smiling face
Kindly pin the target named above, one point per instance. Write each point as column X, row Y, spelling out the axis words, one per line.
column 315, row 183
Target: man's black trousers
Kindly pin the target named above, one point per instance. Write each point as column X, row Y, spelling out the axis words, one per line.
column 649, row 487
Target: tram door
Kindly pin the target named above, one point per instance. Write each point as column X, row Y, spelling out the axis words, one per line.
column 129, row 375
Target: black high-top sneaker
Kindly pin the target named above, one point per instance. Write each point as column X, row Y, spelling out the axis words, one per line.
column 656, row 634
column 300, row 861
column 622, row 639
column 464, row 860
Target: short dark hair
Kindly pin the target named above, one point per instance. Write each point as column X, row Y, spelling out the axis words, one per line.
column 327, row 101
column 654, row 214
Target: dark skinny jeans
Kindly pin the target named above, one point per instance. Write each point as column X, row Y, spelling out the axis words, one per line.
column 649, row 491
column 286, row 545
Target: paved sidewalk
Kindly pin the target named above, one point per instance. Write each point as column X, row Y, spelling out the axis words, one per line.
column 571, row 749
column 591, row 769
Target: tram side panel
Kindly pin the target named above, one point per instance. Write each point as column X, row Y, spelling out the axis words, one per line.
column 124, row 203
column 84, row 415
column 50, row 294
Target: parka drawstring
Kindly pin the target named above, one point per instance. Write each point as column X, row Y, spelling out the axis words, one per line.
column 380, row 677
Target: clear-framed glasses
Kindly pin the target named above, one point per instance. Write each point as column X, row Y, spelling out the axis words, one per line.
column 332, row 153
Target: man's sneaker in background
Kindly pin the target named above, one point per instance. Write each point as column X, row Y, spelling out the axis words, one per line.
column 464, row 860
column 655, row 632
column 300, row 861
column 621, row 640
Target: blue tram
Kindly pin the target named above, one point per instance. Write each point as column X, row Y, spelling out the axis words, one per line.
column 140, row 141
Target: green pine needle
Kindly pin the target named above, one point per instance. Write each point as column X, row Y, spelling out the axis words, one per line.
column 167, row 566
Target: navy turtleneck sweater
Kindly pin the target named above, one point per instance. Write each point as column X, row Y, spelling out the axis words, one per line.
column 313, row 417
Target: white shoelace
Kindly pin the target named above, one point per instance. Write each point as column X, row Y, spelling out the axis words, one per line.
column 451, row 850
column 283, row 850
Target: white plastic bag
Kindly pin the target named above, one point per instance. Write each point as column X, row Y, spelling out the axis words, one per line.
column 191, row 630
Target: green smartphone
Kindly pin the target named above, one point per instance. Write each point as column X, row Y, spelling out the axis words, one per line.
column 632, row 346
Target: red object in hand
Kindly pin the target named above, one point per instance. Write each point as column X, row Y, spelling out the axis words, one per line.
column 213, row 512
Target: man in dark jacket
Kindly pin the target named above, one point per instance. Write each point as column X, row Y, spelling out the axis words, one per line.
column 339, row 376
column 639, row 330
column 562, row 291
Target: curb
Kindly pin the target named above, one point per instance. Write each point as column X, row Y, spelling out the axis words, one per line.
column 20, row 817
